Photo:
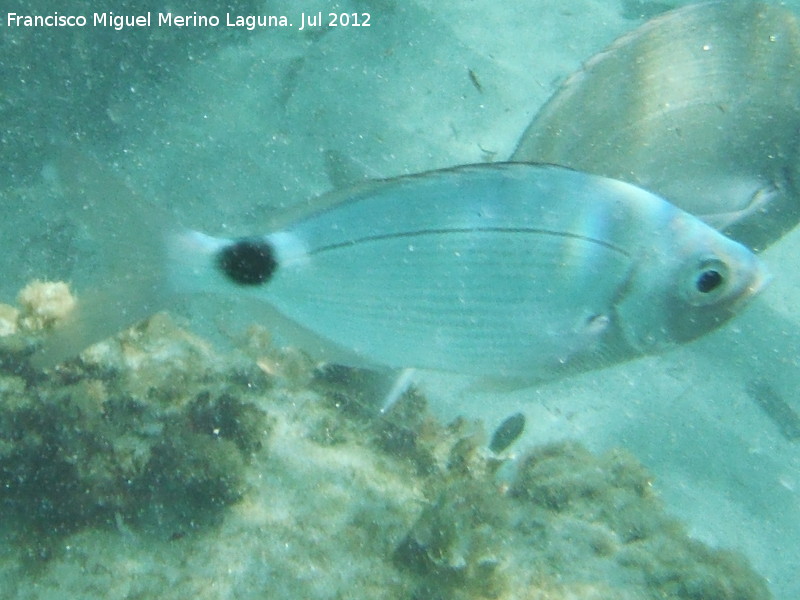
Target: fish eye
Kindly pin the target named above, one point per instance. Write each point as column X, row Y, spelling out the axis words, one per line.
column 708, row 280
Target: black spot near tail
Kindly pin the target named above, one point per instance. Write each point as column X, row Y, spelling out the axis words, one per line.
column 247, row 262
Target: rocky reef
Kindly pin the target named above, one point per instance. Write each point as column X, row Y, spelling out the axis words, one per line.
column 122, row 435
column 155, row 466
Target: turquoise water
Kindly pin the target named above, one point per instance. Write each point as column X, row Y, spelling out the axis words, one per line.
column 225, row 128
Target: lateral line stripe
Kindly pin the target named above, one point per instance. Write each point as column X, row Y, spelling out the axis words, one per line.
column 423, row 232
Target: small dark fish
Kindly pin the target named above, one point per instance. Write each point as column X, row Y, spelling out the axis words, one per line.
column 776, row 408
column 507, row 433
column 474, row 79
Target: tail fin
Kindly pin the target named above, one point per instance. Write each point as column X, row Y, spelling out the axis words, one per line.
column 127, row 281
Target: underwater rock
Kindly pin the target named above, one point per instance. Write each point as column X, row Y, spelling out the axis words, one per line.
column 44, row 303
column 8, row 320
column 568, row 518
column 100, row 441
column 459, row 541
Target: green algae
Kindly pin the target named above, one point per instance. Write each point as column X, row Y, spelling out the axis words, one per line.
column 83, row 447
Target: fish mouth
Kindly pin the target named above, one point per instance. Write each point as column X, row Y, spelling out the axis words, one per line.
column 760, row 279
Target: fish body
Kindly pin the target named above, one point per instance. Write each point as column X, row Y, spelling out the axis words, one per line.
column 700, row 105
column 514, row 271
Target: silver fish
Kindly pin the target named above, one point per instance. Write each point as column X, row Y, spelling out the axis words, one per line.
column 701, row 106
column 510, row 271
